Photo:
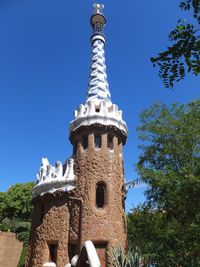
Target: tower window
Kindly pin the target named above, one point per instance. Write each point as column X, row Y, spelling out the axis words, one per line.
column 100, row 195
column 119, row 141
column 85, row 142
column 97, row 108
column 42, row 213
column 110, row 142
column 75, row 147
column 97, row 140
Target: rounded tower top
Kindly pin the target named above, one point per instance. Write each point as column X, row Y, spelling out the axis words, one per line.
column 98, row 20
column 98, row 108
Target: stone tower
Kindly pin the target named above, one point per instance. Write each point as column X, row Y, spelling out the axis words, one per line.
column 83, row 199
column 98, row 134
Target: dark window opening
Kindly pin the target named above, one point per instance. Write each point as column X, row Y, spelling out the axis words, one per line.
column 85, row 142
column 119, row 141
column 123, row 201
column 100, row 195
column 53, row 248
column 97, row 110
column 97, row 140
column 42, row 213
column 75, row 147
column 72, row 250
column 83, row 259
column 110, row 142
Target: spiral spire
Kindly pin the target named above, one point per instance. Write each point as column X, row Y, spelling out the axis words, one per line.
column 98, row 108
column 98, row 87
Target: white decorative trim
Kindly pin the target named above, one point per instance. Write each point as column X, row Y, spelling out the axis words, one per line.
column 74, row 260
column 101, row 112
column 98, row 108
column 51, row 179
column 98, row 87
column 98, row 8
column 92, row 255
column 49, row 264
column 98, row 37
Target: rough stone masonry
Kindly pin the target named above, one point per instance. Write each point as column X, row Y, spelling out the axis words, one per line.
column 83, row 199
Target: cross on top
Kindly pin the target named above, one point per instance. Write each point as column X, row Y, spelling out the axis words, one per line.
column 98, row 8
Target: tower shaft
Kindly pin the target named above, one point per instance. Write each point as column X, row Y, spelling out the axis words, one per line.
column 83, row 199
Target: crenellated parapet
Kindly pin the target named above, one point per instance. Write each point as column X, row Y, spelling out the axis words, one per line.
column 52, row 178
column 98, row 108
column 98, row 112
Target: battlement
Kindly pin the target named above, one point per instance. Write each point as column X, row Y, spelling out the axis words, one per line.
column 100, row 112
column 50, row 178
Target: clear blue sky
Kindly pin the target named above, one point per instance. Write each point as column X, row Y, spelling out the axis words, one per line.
column 44, row 66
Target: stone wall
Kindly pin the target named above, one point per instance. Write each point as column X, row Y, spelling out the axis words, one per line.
column 103, row 226
column 67, row 220
column 10, row 249
column 50, row 230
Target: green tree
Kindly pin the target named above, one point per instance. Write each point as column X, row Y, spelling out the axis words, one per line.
column 183, row 56
column 15, row 213
column 16, row 202
column 167, row 227
column 163, row 241
column 2, row 205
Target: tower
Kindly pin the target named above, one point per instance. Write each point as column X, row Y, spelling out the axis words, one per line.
column 83, row 199
column 98, row 134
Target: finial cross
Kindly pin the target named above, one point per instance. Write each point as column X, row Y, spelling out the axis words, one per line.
column 98, row 7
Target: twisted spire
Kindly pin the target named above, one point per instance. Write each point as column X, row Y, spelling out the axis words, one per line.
column 98, row 108
column 98, row 87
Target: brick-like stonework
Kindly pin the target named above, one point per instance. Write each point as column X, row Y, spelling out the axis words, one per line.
column 50, row 225
column 71, row 218
column 106, row 225
column 94, row 209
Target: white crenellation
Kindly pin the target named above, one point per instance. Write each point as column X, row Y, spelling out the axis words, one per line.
column 52, row 178
column 98, row 108
column 101, row 112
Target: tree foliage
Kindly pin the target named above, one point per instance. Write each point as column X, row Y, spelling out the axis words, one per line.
column 167, row 227
column 170, row 159
column 15, row 213
column 2, row 205
column 16, row 202
column 163, row 241
column 184, row 54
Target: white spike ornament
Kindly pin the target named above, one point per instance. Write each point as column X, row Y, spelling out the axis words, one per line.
column 98, row 84
column 98, row 108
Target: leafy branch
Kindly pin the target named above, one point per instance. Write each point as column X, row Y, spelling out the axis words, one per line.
column 184, row 55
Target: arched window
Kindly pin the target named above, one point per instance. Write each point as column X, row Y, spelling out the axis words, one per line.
column 100, row 195
column 110, row 141
column 97, row 140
